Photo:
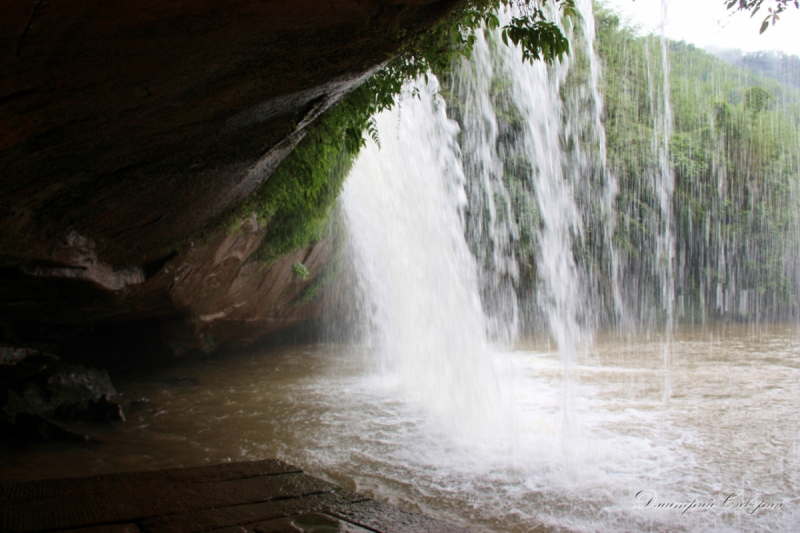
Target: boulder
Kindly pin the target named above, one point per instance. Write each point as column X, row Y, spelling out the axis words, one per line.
column 36, row 407
column 20, row 364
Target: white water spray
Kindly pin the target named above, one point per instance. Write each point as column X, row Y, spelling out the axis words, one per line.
column 410, row 203
column 403, row 204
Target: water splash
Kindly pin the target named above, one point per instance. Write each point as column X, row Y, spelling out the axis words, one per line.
column 404, row 213
column 437, row 298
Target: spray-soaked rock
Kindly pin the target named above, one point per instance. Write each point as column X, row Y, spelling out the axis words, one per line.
column 20, row 364
column 35, row 406
column 79, row 393
column 70, row 384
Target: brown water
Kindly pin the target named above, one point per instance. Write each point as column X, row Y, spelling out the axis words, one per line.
column 721, row 421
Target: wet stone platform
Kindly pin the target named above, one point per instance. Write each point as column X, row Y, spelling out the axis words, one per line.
column 267, row 496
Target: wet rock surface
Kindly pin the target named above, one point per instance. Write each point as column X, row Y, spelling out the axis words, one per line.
column 19, row 364
column 130, row 129
column 39, row 397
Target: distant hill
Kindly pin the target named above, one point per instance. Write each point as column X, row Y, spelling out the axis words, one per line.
column 733, row 158
column 774, row 64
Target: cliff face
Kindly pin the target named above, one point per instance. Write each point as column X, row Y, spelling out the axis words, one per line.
column 130, row 128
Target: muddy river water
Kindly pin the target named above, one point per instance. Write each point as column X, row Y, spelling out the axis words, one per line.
column 707, row 442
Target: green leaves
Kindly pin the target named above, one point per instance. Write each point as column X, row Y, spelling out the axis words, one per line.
column 754, row 6
column 538, row 39
column 372, row 129
column 294, row 202
column 757, row 100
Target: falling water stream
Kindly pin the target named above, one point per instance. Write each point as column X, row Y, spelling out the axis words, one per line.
column 415, row 267
column 483, row 392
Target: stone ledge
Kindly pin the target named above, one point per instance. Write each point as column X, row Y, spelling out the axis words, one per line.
column 257, row 496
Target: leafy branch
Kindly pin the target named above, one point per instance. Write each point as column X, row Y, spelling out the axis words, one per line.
column 754, row 6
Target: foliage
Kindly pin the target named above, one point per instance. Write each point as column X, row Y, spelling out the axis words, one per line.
column 776, row 7
column 757, row 100
column 735, row 156
column 537, row 37
column 294, row 202
column 772, row 64
column 300, row 271
column 334, row 265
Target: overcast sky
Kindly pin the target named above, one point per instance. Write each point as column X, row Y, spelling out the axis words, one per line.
column 708, row 23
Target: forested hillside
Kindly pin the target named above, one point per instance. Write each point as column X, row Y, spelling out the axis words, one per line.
column 734, row 149
column 772, row 64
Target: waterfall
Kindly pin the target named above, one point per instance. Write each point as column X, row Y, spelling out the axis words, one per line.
column 473, row 238
column 664, row 180
column 510, row 200
column 534, row 154
column 491, row 229
column 665, row 185
column 405, row 217
column 512, row 208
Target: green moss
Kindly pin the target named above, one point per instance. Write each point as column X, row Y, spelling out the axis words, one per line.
column 335, row 231
column 320, row 282
column 294, row 202
column 300, row 271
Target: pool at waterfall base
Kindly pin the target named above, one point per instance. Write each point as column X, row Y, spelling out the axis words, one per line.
column 605, row 452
